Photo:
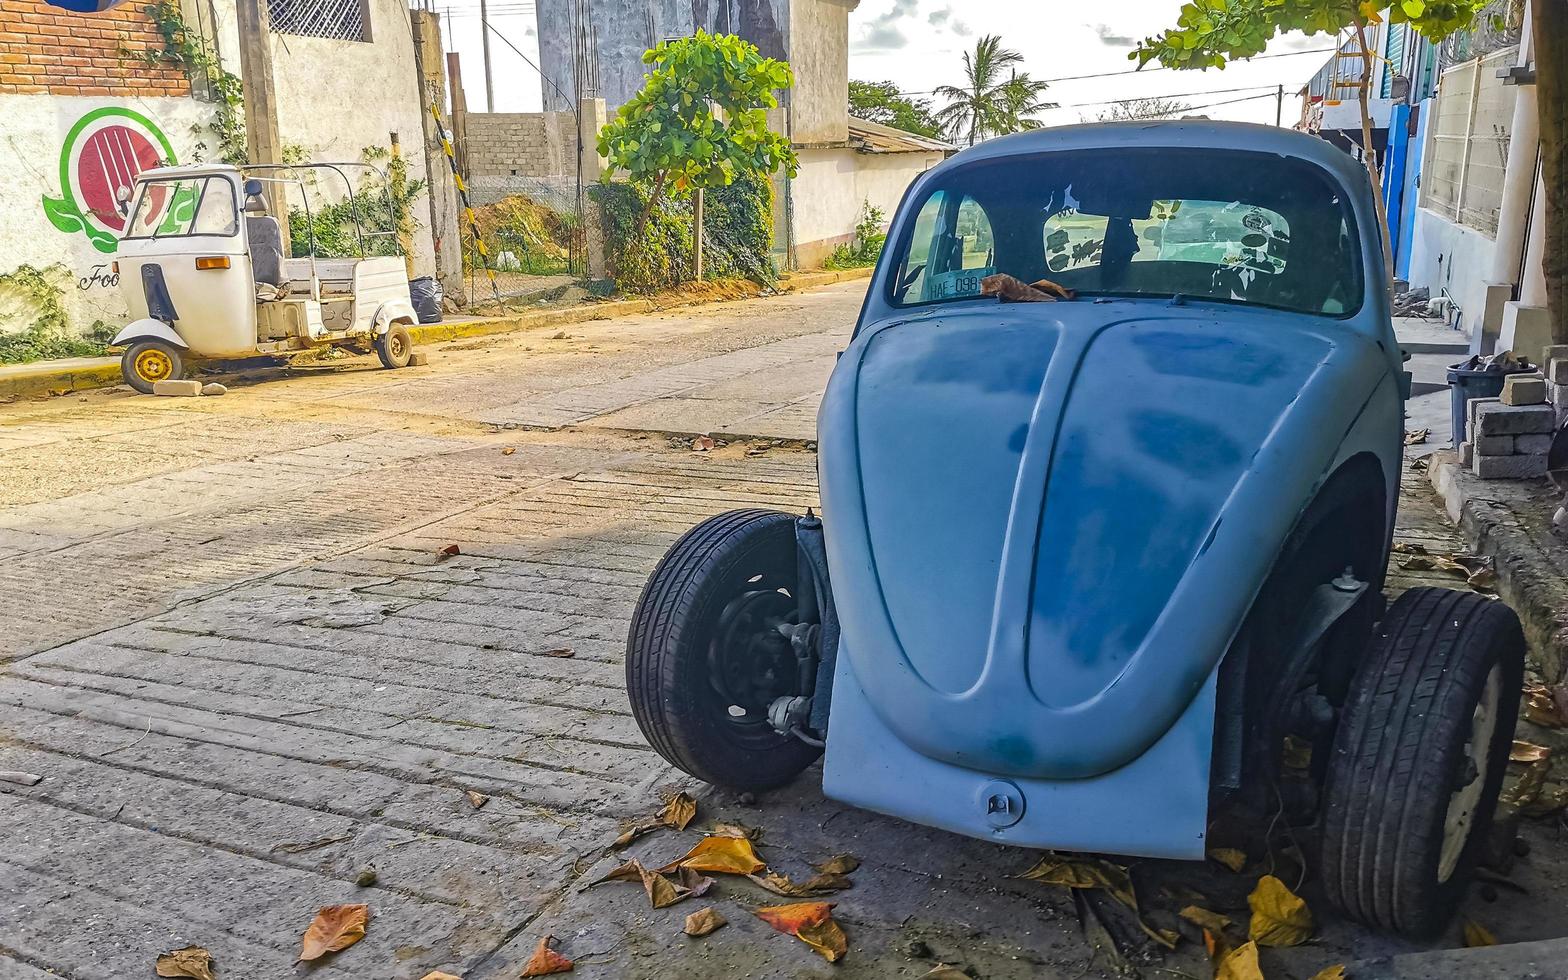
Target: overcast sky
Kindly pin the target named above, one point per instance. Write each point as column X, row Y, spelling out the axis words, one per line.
column 919, row 44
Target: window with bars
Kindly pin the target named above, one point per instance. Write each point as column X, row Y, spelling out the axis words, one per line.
column 1466, row 160
column 338, row 20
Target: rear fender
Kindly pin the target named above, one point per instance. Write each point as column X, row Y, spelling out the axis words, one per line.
column 393, row 311
column 148, row 329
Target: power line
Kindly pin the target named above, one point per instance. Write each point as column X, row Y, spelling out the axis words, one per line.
column 1145, row 71
column 1171, row 95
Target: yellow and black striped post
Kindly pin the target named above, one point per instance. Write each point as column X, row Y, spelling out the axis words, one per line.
column 468, row 207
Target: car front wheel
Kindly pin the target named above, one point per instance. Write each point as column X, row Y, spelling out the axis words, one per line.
column 1419, row 758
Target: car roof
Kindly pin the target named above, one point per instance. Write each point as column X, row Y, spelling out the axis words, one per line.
column 1170, row 133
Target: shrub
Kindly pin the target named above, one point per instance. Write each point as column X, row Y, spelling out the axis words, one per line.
column 866, row 246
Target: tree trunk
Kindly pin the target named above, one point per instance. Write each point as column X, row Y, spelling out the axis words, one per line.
column 1363, row 96
column 1551, row 79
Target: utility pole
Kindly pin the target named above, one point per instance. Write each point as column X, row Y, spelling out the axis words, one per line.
column 484, row 30
column 261, row 102
column 1279, row 107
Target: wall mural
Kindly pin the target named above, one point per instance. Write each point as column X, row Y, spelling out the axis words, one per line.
column 99, row 160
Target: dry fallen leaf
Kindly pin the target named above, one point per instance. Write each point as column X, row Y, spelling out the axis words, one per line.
column 1082, row 872
column 702, row 444
column 1478, row 935
column 1205, row 919
column 815, row 885
column 1231, row 857
column 1415, row 437
column 438, row 975
column 720, row 855
column 810, row 922
column 753, row 834
column 192, row 961
column 679, row 811
column 509, row 450
column 1528, row 752
column 944, row 972
column 662, row 892
column 1335, row 972
column 1483, row 580
column 477, row 798
column 335, row 927
column 1279, row 916
column 451, row 550
column 1240, row 963
column 632, row 833
column 703, row 921
column 839, row 864
column 1409, row 548
column 1528, row 789
column 546, row 961
column 1542, row 708
column 561, row 652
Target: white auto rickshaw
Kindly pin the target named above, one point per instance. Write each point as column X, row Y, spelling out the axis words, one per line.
column 207, row 275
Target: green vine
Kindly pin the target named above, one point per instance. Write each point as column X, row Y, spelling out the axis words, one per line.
column 649, row 244
column 185, row 48
column 30, row 297
column 382, row 206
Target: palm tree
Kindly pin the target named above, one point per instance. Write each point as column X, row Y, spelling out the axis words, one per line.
column 1021, row 98
column 974, row 107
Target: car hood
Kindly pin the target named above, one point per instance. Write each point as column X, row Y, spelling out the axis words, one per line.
column 1046, row 521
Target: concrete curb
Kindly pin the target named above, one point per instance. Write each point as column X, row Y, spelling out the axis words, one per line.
column 1513, row 961
column 1509, row 521
column 82, row 373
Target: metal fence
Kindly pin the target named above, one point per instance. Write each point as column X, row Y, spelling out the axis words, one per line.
column 1466, row 160
column 338, row 20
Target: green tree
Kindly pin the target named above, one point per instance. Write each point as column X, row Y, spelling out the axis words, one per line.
column 1213, row 33
column 1022, row 99
column 700, row 119
column 881, row 102
column 979, row 107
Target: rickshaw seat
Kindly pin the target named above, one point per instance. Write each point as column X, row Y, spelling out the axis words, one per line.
column 266, row 249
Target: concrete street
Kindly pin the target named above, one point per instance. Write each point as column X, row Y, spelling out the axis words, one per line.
column 232, row 646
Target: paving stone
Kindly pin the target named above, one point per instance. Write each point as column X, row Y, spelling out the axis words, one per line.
column 180, row 389
column 1524, row 389
column 1514, row 467
column 1513, row 420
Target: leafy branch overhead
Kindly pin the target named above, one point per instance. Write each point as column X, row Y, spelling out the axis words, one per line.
column 1212, row 33
column 701, row 117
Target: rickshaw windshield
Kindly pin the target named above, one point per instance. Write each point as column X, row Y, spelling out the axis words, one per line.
column 184, row 206
column 1249, row 228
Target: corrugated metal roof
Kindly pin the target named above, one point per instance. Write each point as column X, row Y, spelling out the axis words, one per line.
column 869, row 137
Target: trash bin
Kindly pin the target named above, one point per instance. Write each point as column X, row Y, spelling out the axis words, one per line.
column 1466, row 384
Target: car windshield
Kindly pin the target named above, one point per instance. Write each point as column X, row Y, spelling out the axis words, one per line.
column 1224, row 225
column 186, row 206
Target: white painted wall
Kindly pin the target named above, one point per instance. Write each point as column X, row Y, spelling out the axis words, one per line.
column 1445, row 254
column 828, row 192
column 31, row 138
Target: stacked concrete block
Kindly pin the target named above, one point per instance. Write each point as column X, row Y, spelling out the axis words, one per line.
column 1507, row 437
column 1557, row 380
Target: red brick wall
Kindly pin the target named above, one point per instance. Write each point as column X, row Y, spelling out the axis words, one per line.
column 47, row 49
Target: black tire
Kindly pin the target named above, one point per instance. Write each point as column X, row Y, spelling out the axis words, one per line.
column 1400, row 758
column 395, row 346
column 147, row 362
column 680, row 677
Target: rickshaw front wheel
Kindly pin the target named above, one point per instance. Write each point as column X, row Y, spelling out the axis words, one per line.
column 395, row 347
column 147, row 362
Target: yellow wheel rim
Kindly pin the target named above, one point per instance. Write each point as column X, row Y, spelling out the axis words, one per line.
column 153, row 365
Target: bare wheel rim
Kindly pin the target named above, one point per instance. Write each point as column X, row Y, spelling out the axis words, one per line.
column 1470, row 780
column 153, row 365
column 395, row 343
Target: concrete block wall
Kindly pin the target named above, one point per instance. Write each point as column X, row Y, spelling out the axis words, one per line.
column 521, row 144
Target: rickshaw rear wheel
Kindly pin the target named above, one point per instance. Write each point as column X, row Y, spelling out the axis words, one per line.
column 147, row 362
column 705, row 658
column 1419, row 759
column 395, row 346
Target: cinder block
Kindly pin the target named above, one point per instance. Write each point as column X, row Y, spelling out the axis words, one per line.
column 1533, row 444
column 1513, row 420
column 1470, row 408
column 1553, row 352
column 1466, row 454
column 1557, row 370
column 1524, row 389
column 1514, row 467
column 418, row 359
column 1494, row 445
column 178, row 389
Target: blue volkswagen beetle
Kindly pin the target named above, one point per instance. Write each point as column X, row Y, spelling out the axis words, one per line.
column 1108, row 476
